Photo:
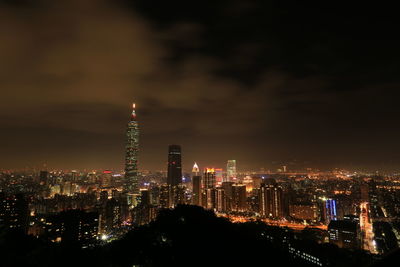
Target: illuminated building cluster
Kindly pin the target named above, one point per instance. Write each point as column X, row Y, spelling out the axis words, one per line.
column 350, row 210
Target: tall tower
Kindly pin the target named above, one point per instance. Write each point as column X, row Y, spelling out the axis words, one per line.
column 231, row 171
column 131, row 158
column 174, row 165
column 196, row 184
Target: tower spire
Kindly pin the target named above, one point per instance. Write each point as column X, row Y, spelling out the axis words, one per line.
column 195, row 169
column 133, row 116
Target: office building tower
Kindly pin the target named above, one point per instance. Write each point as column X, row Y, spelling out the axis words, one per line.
column 209, row 178
column 196, row 186
column 239, row 198
column 145, row 198
column 227, row 186
column 271, row 200
column 208, row 198
column 330, row 210
column 131, row 183
column 174, row 176
column 196, row 195
column 231, row 171
column 220, row 200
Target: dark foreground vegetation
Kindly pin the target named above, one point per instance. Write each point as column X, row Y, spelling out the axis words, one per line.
column 185, row 236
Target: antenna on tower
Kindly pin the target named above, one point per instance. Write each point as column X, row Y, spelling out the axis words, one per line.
column 133, row 111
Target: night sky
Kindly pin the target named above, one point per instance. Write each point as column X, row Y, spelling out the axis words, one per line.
column 263, row 82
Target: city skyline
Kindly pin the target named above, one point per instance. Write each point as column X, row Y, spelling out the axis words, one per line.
column 145, row 133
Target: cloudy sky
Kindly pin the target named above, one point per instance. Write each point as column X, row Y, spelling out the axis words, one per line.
column 257, row 81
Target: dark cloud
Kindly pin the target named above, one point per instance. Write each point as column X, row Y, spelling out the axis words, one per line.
column 299, row 38
column 252, row 80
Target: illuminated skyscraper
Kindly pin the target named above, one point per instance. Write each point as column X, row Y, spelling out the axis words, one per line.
column 231, row 171
column 208, row 195
column 271, row 200
column 209, row 178
column 131, row 159
column 196, row 186
column 174, row 176
column 330, row 210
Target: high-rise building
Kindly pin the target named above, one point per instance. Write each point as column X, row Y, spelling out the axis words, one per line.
column 174, row 176
column 196, row 186
column 131, row 158
column 220, row 199
column 227, row 186
column 145, row 198
column 231, row 174
column 271, row 200
column 239, row 197
column 208, row 198
column 209, row 178
column 330, row 210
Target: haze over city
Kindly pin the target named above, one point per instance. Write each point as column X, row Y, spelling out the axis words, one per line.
column 267, row 83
